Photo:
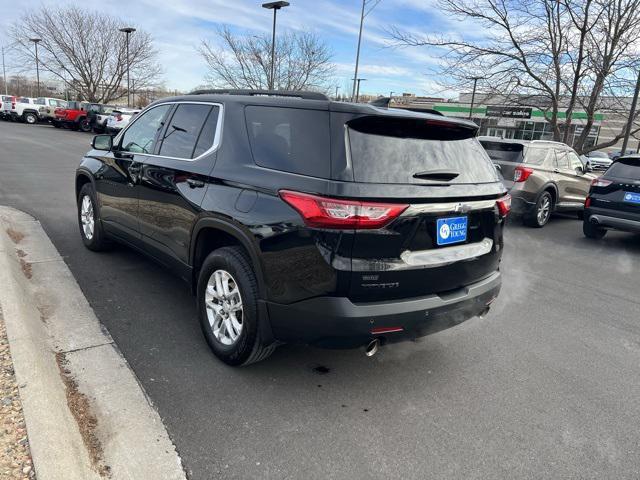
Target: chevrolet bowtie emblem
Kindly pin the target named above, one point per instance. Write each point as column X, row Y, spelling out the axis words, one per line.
column 462, row 208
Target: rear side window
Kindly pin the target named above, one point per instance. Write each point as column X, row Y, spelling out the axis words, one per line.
column 184, row 129
column 624, row 169
column 538, row 155
column 504, row 152
column 290, row 139
column 562, row 160
column 208, row 133
column 386, row 150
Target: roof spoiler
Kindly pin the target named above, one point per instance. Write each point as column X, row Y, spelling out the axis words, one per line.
column 384, row 102
column 266, row 93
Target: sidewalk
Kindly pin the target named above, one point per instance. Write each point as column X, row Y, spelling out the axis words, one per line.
column 86, row 415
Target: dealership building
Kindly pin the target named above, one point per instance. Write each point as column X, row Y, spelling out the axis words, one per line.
column 506, row 118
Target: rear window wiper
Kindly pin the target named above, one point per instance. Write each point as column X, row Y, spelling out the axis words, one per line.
column 443, row 175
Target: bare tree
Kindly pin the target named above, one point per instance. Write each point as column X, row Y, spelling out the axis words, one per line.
column 303, row 61
column 86, row 51
column 557, row 55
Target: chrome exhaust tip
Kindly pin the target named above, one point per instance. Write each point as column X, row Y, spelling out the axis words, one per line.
column 372, row 348
column 484, row 312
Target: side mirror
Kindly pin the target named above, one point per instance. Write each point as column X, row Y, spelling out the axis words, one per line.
column 588, row 168
column 102, row 142
column 580, row 170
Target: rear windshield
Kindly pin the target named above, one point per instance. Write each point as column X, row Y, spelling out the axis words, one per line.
column 625, row 169
column 504, row 152
column 290, row 139
column 417, row 153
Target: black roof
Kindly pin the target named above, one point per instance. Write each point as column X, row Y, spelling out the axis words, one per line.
column 309, row 100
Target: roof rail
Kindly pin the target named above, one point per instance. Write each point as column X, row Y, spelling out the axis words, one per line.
column 267, row 93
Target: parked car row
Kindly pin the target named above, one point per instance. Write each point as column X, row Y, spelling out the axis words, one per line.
column 75, row 115
column 544, row 177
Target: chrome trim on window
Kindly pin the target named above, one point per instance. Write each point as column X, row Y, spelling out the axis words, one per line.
column 216, row 139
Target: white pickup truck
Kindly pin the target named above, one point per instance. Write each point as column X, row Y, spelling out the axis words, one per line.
column 27, row 109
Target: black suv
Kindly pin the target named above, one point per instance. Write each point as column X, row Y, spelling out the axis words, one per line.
column 614, row 199
column 299, row 219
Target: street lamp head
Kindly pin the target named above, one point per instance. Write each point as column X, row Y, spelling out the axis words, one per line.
column 275, row 5
column 35, row 40
column 128, row 30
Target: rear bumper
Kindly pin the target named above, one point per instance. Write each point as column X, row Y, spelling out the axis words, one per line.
column 336, row 322
column 522, row 202
column 608, row 221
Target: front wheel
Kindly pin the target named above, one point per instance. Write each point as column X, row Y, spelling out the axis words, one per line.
column 542, row 211
column 91, row 231
column 228, row 308
column 592, row 231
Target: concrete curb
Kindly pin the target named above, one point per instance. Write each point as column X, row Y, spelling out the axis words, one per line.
column 87, row 416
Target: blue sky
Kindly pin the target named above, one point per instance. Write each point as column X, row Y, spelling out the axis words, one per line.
column 178, row 26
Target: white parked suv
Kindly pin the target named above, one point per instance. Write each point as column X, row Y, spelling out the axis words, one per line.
column 119, row 119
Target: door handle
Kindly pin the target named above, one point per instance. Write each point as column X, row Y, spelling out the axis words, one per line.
column 193, row 183
column 555, row 170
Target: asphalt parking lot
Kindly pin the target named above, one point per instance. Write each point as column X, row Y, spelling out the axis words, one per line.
column 546, row 386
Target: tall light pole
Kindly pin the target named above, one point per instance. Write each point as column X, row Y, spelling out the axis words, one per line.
column 357, row 82
column 355, row 75
column 275, row 6
column 337, row 88
column 128, row 31
column 632, row 114
column 473, row 95
column 4, row 74
column 36, row 41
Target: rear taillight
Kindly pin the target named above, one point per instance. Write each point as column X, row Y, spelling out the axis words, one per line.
column 587, row 202
column 323, row 212
column 521, row 174
column 504, row 205
column 600, row 182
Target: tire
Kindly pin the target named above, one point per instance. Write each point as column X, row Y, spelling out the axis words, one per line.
column 30, row 118
column 56, row 124
column 84, row 125
column 580, row 214
column 95, row 238
column 247, row 347
column 592, row 231
column 542, row 211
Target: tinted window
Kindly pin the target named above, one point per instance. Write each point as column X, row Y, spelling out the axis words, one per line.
column 184, row 129
column 140, row 136
column 290, row 139
column 504, row 152
column 624, row 169
column 39, row 101
column 208, row 133
column 386, row 159
column 24, row 100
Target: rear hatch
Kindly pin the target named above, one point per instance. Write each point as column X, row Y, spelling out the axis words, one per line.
column 507, row 156
column 619, row 188
column 450, row 234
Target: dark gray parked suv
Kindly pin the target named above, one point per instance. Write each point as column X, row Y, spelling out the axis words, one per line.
column 542, row 177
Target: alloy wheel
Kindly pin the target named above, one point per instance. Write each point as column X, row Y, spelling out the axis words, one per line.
column 87, row 217
column 544, row 210
column 224, row 307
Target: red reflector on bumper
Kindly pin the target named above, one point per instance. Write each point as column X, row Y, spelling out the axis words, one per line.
column 381, row 330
